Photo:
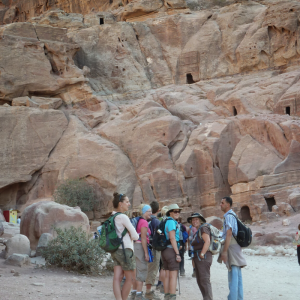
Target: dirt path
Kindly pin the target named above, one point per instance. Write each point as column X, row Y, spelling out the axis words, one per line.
column 265, row 278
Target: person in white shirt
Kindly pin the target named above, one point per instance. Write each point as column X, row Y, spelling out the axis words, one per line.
column 123, row 266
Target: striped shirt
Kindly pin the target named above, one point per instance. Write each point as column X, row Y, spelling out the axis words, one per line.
column 229, row 222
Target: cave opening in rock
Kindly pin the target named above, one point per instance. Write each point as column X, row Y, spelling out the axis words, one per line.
column 101, row 21
column 270, row 202
column 234, row 111
column 288, row 110
column 189, row 78
column 245, row 214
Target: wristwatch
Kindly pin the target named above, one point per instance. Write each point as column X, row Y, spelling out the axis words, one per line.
column 202, row 255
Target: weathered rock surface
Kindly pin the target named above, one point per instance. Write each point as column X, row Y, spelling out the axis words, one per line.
column 18, row 244
column 43, row 243
column 18, row 260
column 42, row 217
column 172, row 105
column 38, row 102
column 28, row 138
column 82, row 154
column 1, row 229
column 10, row 229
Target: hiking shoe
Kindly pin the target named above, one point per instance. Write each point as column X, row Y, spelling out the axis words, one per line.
column 167, row 297
column 172, row 297
column 139, row 296
column 161, row 289
column 132, row 295
column 152, row 296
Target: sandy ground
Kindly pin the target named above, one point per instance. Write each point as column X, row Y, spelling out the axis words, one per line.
column 265, row 278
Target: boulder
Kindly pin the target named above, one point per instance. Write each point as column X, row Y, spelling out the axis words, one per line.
column 215, row 221
column 292, row 161
column 251, row 159
column 10, row 229
column 19, row 244
column 18, row 260
column 43, row 217
column 43, row 243
column 286, row 222
column 294, row 200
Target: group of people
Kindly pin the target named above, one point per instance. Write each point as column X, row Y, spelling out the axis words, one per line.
column 136, row 263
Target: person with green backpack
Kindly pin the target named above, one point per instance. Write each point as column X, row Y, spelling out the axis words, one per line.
column 117, row 236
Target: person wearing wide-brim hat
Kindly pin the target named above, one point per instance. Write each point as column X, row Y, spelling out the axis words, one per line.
column 170, row 256
column 196, row 215
column 202, row 258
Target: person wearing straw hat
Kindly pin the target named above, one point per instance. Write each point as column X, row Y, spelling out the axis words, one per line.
column 170, row 256
column 202, row 258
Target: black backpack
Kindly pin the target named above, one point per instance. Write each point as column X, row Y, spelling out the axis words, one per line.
column 244, row 234
column 159, row 241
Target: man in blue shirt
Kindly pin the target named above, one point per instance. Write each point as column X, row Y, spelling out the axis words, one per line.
column 231, row 253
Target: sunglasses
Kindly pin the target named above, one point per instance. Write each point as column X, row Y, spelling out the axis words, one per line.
column 176, row 211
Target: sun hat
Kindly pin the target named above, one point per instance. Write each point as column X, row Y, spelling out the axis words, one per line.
column 164, row 210
column 172, row 207
column 196, row 215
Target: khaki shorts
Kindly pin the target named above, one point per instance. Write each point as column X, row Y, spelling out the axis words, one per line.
column 169, row 260
column 119, row 259
column 141, row 263
column 153, row 267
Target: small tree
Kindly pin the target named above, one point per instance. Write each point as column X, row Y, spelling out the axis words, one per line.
column 76, row 192
column 73, row 250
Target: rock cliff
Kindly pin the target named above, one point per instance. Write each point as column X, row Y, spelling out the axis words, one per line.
column 168, row 100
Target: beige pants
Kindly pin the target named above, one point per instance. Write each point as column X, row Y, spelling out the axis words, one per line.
column 153, row 267
column 141, row 263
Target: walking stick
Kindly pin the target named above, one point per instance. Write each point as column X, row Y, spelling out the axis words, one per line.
column 178, row 282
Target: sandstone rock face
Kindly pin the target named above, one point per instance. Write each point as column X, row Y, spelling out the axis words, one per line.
column 42, row 217
column 10, row 229
column 174, row 105
column 19, row 244
column 28, row 138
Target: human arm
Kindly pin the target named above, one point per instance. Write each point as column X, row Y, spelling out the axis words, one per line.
column 131, row 230
column 226, row 245
column 144, row 242
column 174, row 245
column 206, row 240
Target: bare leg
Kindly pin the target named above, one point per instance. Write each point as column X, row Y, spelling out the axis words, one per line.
column 139, row 286
column 129, row 275
column 172, row 281
column 116, row 282
column 166, row 282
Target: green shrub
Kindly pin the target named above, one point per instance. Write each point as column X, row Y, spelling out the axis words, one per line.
column 76, row 192
column 73, row 250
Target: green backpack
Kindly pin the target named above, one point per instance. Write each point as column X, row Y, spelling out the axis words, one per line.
column 109, row 240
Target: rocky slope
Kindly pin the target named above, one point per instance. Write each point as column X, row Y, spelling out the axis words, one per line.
column 184, row 102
